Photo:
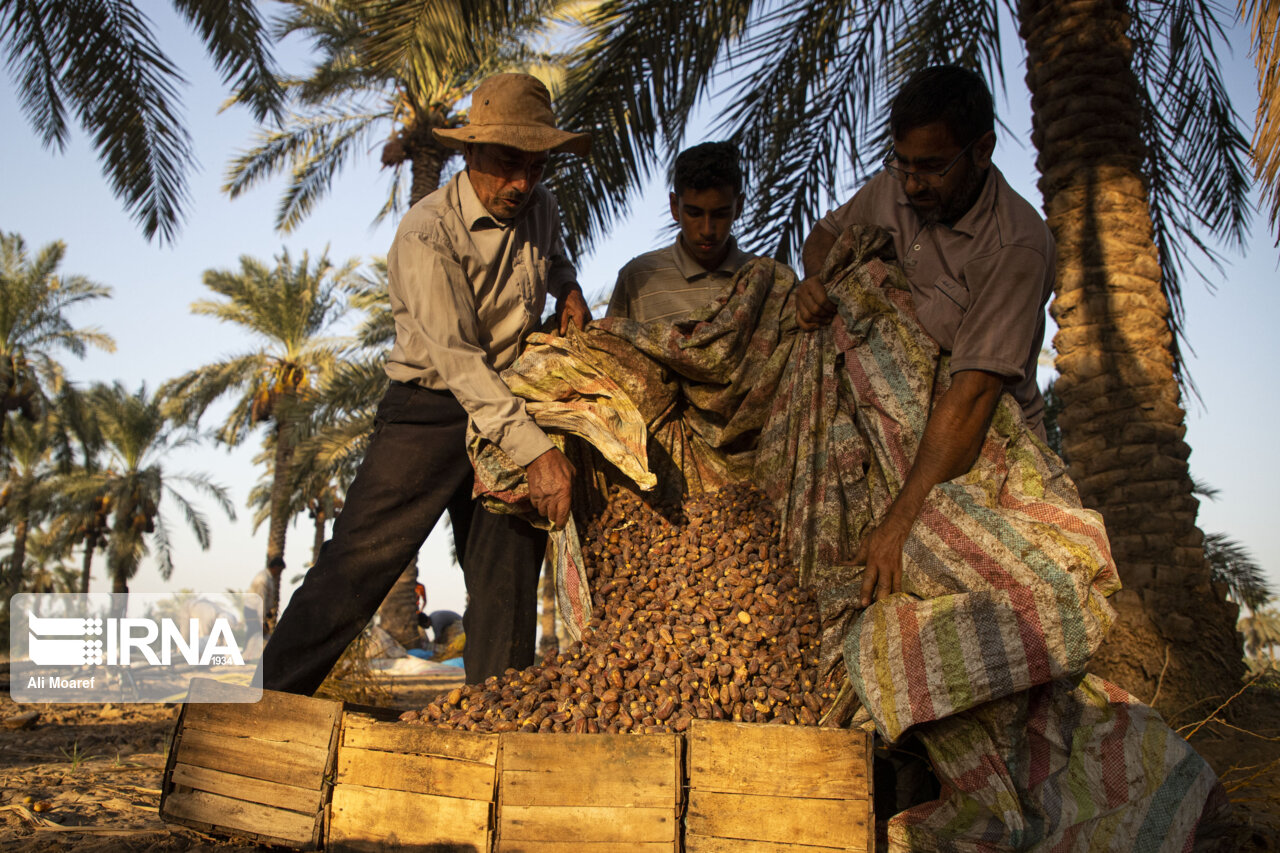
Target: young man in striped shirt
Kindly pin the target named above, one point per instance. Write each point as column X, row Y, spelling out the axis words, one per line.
column 673, row 283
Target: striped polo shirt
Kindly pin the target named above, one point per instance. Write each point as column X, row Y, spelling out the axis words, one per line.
column 668, row 284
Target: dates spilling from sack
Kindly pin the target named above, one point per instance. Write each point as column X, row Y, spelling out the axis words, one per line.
column 696, row 613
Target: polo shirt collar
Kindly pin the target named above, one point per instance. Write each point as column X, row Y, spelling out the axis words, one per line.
column 691, row 269
column 971, row 222
column 475, row 214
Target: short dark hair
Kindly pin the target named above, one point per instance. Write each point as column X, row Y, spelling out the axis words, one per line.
column 955, row 96
column 705, row 166
column 275, row 563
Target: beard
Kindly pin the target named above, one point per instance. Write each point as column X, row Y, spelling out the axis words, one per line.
column 948, row 212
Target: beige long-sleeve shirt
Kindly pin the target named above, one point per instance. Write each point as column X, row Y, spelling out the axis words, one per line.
column 466, row 289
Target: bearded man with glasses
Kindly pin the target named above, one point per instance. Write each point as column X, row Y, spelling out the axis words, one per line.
column 980, row 262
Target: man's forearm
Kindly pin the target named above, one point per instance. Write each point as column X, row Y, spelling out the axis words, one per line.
column 816, row 248
column 951, row 442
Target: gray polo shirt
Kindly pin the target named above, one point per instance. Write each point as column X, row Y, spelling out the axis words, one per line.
column 979, row 286
column 669, row 284
column 466, row 289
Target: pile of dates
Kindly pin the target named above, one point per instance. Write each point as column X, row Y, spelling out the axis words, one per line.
column 697, row 613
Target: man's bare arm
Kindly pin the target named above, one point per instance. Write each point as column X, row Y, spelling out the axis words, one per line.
column 952, row 440
column 816, row 248
column 813, row 308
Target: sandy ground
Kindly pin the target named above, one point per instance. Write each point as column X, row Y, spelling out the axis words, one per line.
column 87, row 777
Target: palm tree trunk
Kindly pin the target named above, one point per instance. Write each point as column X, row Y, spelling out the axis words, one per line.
column 18, row 554
column 87, row 563
column 280, row 485
column 318, row 539
column 1122, row 421
column 426, row 158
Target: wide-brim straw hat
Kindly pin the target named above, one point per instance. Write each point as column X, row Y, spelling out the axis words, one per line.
column 514, row 110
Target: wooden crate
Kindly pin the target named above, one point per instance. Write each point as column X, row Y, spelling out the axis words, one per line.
column 589, row 793
column 258, row 769
column 778, row 789
column 403, row 786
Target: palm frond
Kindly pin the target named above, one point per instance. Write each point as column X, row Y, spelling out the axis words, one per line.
column 1196, row 154
column 1204, row 490
column 417, row 61
column 237, row 40
column 628, row 87
column 814, row 68
column 428, row 41
column 124, row 92
column 99, row 61
column 314, row 147
column 1232, row 564
column 187, row 397
column 34, row 47
column 1263, row 17
column 163, row 546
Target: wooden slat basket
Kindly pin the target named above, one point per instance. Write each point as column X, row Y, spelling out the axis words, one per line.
column 778, row 789
column 408, row 787
column 590, row 793
column 260, row 769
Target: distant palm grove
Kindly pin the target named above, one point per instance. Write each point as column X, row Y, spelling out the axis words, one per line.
column 85, row 471
column 1145, row 166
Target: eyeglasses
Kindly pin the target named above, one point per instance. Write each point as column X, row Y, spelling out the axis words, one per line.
column 925, row 177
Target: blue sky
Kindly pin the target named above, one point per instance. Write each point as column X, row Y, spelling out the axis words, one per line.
column 49, row 197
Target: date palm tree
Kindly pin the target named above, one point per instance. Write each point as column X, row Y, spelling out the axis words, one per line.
column 97, row 63
column 291, row 306
column 34, row 302
column 29, row 490
column 1261, row 631
column 392, row 70
column 311, row 488
column 79, row 518
column 137, row 438
column 47, row 570
column 1140, row 153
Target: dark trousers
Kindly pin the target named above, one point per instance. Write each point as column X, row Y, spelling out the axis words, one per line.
column 415, row 469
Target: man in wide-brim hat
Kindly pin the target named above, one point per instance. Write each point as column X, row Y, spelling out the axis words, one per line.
column 470, row 269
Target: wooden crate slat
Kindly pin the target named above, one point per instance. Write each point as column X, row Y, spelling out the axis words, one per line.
column 591, row 847
column 275, row 717
column 601, row 756
column 823, row 823
column 363, row 818
column 361, row 732
column 287, row 763
column 211, row 690
column 570, row 825
column 305, row 800
column 226, row 813
column 706, row 844
column 796, row 761
column 424, row 774
column 621, row 789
